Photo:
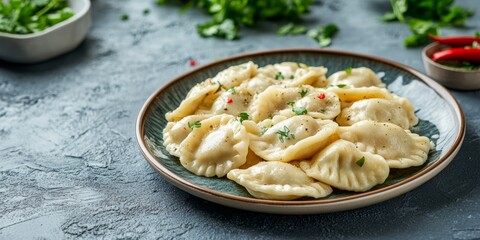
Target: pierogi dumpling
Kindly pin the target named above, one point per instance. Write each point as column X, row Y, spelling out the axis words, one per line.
column 279, row 181
column 294, row 138
column 399, row 147
column 343, row 166
column 219, row 145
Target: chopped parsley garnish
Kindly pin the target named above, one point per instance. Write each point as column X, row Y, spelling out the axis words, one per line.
column 348, row 70
column 124, row 17
column 263, row 130
column 243, row 116
column 360, row 161
column 299, row 110
column 302, row 65
column 231, row 90
column 338, row 85
column 220, row 84
column 285, row 134
column 279, row 76
column 146, row 11
column 196, row 124
column 303, row 92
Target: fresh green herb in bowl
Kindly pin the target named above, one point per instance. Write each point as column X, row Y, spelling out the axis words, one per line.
column 463, row 65
column 31, row 16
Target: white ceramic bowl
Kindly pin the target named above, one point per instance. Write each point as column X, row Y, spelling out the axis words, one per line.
column 53, row 41
column 453, row 78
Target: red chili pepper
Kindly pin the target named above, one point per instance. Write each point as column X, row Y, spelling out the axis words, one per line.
column 229, row 100
column 463, row 54
column 455, row 40
column 321, row 96
column 192, row 63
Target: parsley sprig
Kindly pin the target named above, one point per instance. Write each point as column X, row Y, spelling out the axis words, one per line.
column 229, row 16
column 360, row 161
column 279, row 76
column 426, row 17
column 303, row 92
column 285, row 134
column 243, row 116
column 193, row 125
column 297, row 110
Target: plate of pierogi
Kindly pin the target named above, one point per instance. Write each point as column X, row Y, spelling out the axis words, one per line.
column 300, row 131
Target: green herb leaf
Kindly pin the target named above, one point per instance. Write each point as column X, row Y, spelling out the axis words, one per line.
column 433, row 13
column 421, row 30
column 196, row 124
column 477, row 34
column 341, row 85
column 243, row 116
column 263, row 130
column 279, row 76
column 245, row 13
column 389, row 17
column 302, row 65
column 323, row 34
column 348, row 70
column 291, row 104
column 225, row 29
column 298, row 29
column 303, row 92
column 299, row 110
column 285, row 134
column 231, row 90
column 124, row 17
column 146, row 11
column 360, row 161
column 286, row 29
column 399, row 8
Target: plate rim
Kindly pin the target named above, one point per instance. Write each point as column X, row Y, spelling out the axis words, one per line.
column 206, row 193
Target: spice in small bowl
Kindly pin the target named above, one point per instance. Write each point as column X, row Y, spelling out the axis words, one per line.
column 454, row 61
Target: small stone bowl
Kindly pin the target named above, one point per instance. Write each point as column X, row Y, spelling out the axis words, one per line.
column 51, row 42
column 450, row 77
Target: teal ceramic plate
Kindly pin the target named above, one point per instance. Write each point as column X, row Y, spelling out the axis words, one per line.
column 441, row 119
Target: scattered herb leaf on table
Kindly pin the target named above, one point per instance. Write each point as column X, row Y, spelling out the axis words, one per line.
column 426, row 17
column 228, row 16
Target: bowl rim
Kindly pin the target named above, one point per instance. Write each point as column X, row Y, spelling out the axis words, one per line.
column 430, row 61
column 420, row 177
column 82, row 12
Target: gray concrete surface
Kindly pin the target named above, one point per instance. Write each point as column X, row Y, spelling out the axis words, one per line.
column 70, row 166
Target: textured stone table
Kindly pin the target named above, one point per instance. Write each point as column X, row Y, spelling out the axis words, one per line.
column 70, row 166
